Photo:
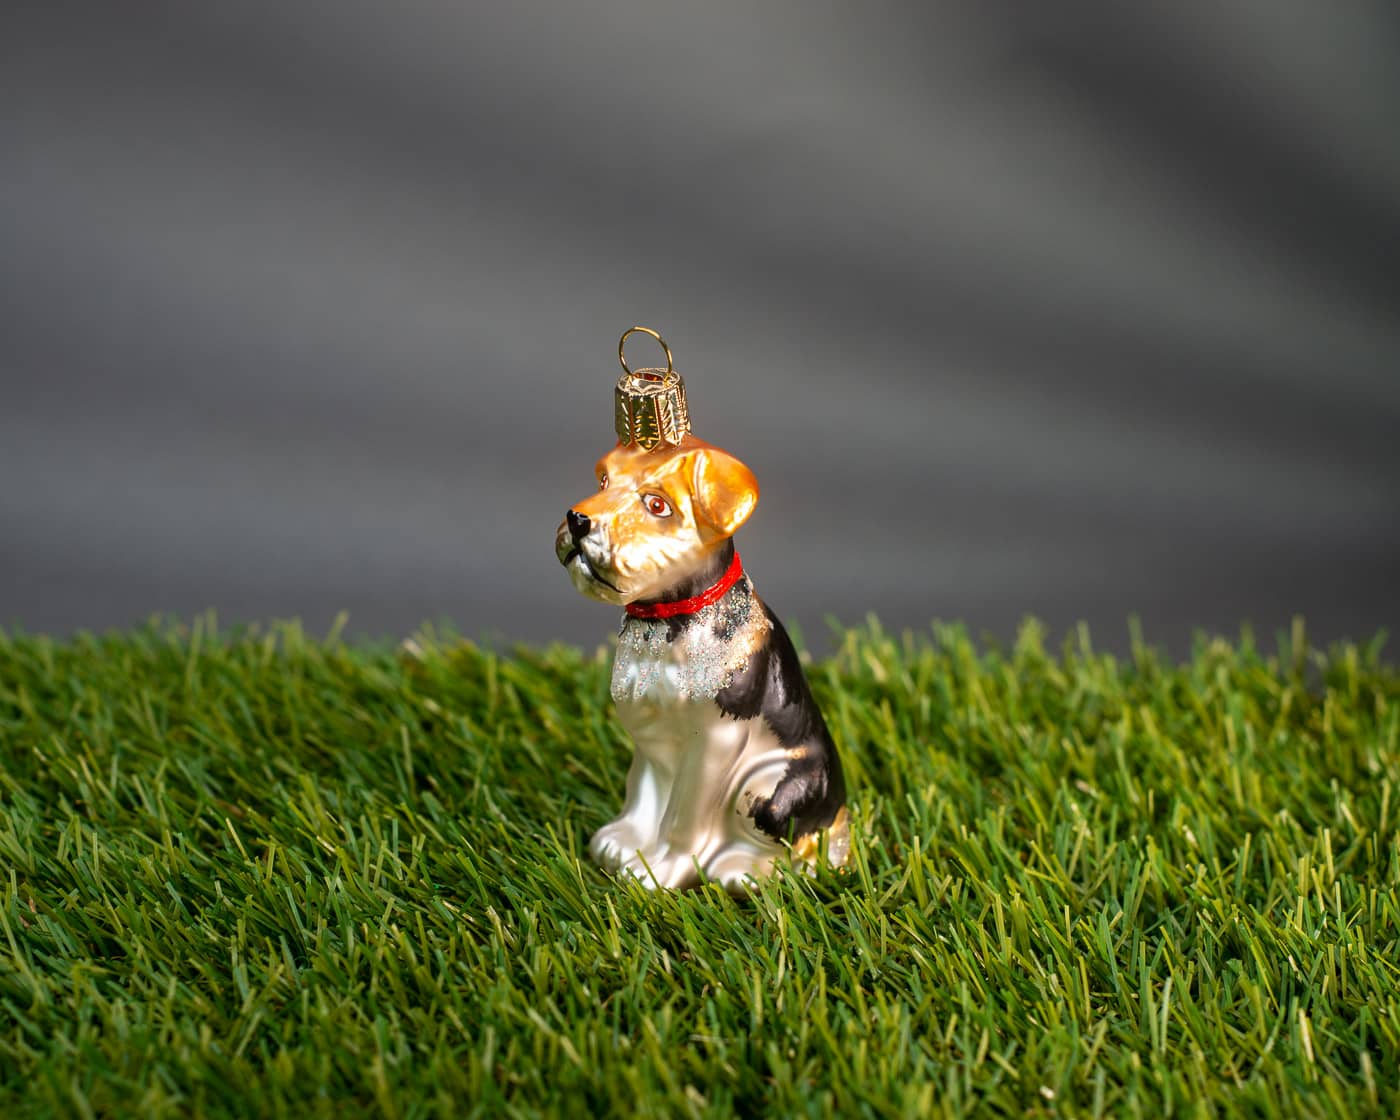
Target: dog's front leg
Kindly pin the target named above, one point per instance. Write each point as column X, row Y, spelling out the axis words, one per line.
column 634, row 831
column 698, row 811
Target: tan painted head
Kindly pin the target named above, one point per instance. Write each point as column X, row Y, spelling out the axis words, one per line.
column 655, row 519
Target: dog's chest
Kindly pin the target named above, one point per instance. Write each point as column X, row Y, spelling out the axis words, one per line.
column 665, row 691
column 653, row 670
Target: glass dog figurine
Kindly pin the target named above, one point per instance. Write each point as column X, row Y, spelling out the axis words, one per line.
column 734, row 771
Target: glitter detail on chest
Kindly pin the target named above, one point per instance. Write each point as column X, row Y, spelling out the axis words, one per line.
column 695, row 666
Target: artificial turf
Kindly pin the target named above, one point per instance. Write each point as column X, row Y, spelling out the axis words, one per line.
column 261, row 874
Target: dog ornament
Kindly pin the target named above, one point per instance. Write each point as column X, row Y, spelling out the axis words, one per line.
column 734, row 772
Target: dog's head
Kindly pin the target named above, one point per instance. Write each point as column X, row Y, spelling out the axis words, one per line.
column 655, row 519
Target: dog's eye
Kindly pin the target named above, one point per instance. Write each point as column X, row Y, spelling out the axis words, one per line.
column 656, row 505
column 603, row 483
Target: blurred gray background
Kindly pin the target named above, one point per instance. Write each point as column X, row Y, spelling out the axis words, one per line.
column 1074, row 310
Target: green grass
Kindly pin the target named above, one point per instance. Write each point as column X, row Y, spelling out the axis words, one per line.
column 264, row 874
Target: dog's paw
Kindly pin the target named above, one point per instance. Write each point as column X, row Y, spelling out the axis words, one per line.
column 666, row 870
column 738, row 868
column 615, row 843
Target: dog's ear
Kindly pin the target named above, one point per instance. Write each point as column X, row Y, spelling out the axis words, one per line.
column 723, row 489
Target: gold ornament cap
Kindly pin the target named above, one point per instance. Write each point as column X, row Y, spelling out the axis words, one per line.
column 651, row 408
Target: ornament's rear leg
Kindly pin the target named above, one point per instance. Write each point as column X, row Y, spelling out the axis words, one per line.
column 781, row 811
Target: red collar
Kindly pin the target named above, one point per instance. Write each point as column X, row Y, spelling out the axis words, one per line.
column 709, row 596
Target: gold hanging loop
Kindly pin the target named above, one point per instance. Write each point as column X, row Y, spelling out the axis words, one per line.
column 649, row 374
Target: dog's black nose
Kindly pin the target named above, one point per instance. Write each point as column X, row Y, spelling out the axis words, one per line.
column 578, row 525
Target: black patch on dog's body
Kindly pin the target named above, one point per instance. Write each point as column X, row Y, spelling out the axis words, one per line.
column 812, row 789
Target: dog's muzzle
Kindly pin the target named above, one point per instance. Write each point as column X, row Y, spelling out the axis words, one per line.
column 565, row 544
column 580, row 555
